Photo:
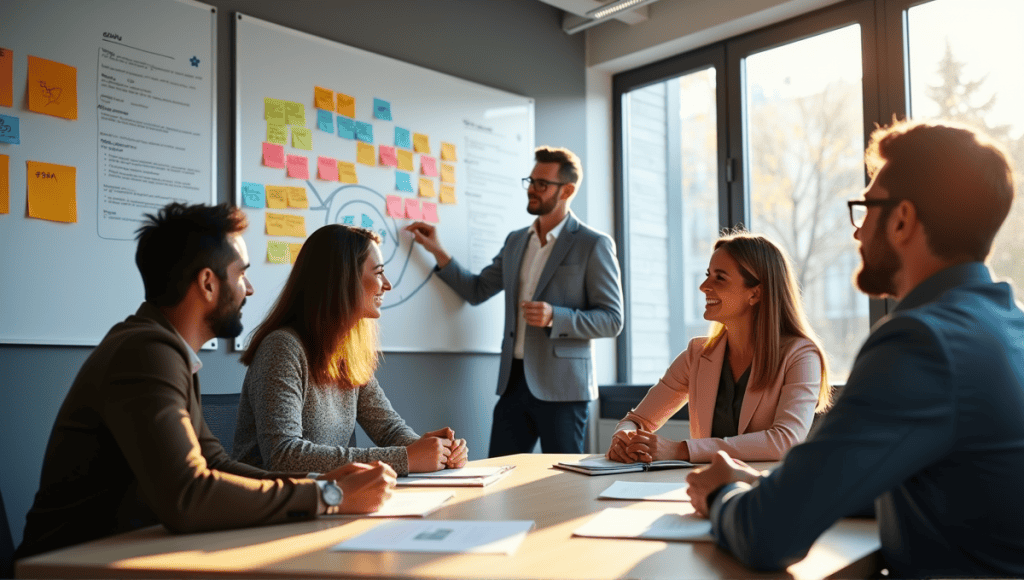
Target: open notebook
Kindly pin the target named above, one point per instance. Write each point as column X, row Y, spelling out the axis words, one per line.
column 601, row 465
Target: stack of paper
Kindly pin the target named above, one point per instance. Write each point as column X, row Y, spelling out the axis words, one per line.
column 464, row 477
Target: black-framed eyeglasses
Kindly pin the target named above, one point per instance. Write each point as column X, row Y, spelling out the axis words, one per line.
column 540, row 185
column 859, row 208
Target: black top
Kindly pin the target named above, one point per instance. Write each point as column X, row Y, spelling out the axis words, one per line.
column 726, row 422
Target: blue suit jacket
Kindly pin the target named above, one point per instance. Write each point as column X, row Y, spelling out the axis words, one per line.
column 930, row 425
column 580, row 281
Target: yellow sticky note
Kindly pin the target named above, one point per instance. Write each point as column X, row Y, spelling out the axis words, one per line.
column 5, row 184
column 277, row 196
column 426, row 187
column 347, row 172
column 447, row 193
column 295, row 225
column 297, row 197
column 52, row 88
column 347, row 106
column 273, row 110
column 294, row 250
column 6, row 77
column 302, row 138
column 276, row 132
column 447, row 173
column 51, row 192
column 365, row 154
column 294, row 113
column 324, row 98
column 404, row 159
column 420, row 143
column 448, row 151
column 277, row 252
column 275, row 224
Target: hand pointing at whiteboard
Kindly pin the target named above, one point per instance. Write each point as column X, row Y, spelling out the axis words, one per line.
column 426, row 235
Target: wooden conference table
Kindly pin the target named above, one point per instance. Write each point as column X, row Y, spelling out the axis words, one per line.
column 558, row 501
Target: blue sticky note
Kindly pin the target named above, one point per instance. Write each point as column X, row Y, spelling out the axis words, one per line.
column 403, row 138
column 346, row 127
column 348, row 220
column 403, row 182
column 367, row 222
column 382, row 109
column 10, row 130
column 325, row 120
column 252, row 195
column 364, row 132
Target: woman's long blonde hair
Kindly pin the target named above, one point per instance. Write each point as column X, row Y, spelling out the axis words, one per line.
column 778, row 315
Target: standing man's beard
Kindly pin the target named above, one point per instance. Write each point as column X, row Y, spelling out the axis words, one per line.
column 879, row 264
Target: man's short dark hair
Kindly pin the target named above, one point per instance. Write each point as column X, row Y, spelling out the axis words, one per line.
column 570, row 170
column 179, row 241
column 959, row 180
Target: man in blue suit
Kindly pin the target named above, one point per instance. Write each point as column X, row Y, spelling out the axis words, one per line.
column 562, row 289
column 930, row 424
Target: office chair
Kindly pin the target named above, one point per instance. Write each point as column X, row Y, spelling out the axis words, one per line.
column 221, row 414
column 6, row 544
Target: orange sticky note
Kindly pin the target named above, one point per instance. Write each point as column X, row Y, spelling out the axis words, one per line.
column 324, row 98
column 347, row 106
column 448, row 152
column 426, row 187
column 365, row 154
column 295, row 225
column 277, row 252
column 347, row 172
column 404, row 159
column 52, row 88
column 5, row 184
column 447, row 173
column 294, row 250
column 297, row 197
column 51, row 192
column 275, row 223
column 6, row 77
column 327, row 168
column 277, row 196
column 420, row 143
column 447, row 193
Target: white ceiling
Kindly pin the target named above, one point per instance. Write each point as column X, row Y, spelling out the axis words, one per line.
column 575, row 18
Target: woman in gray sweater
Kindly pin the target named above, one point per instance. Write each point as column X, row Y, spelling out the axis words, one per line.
column 311, row 369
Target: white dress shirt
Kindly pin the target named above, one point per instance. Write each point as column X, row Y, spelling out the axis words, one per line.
column 534, row 259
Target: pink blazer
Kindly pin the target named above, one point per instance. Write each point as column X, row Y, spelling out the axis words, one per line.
column 772, row 419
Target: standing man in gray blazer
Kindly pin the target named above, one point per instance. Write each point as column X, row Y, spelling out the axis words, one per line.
column 562, row 289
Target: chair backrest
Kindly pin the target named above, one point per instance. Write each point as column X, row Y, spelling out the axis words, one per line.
column 6, row 544
column 221, row 414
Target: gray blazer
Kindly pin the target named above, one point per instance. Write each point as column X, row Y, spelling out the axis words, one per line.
column 580, row 281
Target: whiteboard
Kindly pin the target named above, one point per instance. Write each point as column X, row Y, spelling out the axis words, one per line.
column 144, row 136
column 492, row 132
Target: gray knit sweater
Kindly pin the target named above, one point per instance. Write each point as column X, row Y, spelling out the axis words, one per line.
column 286, row 423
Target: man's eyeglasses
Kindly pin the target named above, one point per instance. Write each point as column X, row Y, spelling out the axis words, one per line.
column 859, row 208
column 540, row 185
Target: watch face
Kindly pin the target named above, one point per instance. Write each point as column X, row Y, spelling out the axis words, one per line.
column 332, row 494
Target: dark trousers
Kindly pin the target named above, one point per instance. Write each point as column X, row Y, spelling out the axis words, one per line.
column 520, row 418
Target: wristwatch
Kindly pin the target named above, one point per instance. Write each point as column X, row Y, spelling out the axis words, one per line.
column 330, row 493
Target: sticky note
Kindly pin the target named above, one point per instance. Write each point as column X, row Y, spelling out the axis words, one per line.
column 273, row 110
column 412, row 208
column 347, row 172
column 273, row 155
column 295, row 225
column 403, row 182
column 346, row 106
column 51, row 192
column 420, row 143
column 293, row 250
column 428, row 165
column 346, row 128
column 297, row 197
column 381, row 110
column 447, row 194
column 323, row 99
column 298, row 167
column 274, row 223
column 447, row 173
column 365, row 154
column 277, row 252
column 5, row 184
column 277, row 133
column 387, row 156
column 52, row 88
column 403, row 138
column 404, row 160
column 364, row 132
column 294, row 113
column 6, row 77
column 10, row 130
column 366, row 222
column 327, row 168
column 253, row 195
column 396, row 208
column 325, row 120
column 426, row 187
column 430, row 212
column 348, row 220
column 277, row 196
column 302, row 138
column 448, row 152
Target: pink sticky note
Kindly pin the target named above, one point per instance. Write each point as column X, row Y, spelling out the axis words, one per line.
column 428, row 166
column 395, row 207
column 388, row 156
column 273, row 155
column 430, row 212
column 327, row 167
column 298, row 167
column 412, row 208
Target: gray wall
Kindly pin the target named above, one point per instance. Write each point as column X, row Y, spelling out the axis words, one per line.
column 513, row 45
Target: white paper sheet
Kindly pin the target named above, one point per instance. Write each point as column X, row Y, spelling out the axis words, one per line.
column 647, row 491
column 646, row 525
column 441, row 536
column 406, row 504
column 466, row 472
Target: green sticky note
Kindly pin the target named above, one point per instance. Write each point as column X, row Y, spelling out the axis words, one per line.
column 277, row 133
column 273, row 110
column 278, row 252
column 302, row 138
column 294, row 113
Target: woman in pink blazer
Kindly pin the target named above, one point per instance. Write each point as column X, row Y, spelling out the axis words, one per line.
column 754, row 384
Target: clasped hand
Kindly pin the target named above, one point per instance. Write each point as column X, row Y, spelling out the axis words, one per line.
column 629, row 446
column 437, row 450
